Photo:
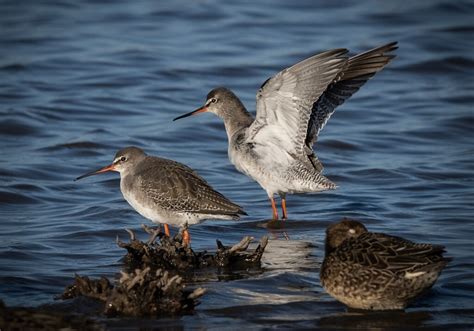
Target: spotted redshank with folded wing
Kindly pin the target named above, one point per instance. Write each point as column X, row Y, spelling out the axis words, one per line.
column 168, row 192
column 276, row 148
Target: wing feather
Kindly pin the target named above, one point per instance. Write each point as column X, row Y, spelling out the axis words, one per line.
column 391, row 253
column 175, row 186
column 358, row 71
column 284, row 102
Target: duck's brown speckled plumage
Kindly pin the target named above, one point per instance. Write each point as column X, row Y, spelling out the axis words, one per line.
column 376, row 271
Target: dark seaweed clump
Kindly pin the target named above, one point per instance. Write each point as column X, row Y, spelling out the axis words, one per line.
column 152, row 282
column 170, row 253
column 138, row 293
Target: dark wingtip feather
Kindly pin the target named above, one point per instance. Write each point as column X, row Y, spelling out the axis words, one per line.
column 369, row 62
column 378, row 51
column 388, row 47
column 265, row 82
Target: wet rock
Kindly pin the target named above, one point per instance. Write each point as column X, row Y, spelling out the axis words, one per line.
column 170, row 253
column 138, row 293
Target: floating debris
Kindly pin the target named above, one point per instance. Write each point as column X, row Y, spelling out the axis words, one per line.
column 138, row 293
column 171, row 253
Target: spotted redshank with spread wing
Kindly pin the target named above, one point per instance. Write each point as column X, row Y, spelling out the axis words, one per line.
column 376, row 271
column 276, row 148
column 166, row 191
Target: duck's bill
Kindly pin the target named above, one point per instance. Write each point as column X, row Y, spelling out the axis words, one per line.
column 194, row 112
column 110, row 167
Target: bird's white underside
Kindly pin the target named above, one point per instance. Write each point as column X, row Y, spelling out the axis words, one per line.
column 175, row 218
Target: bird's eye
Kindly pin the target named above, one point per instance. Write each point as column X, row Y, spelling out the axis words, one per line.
column 123, row 159
column 213, row 100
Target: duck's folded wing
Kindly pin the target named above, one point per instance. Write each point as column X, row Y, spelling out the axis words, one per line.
column 392, row 253
column 285, row 101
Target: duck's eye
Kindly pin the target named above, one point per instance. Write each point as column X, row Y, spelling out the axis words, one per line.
column 213, row 100
column 123, row 159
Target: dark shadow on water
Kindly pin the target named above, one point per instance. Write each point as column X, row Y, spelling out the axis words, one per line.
column 288, row 224
column 309, row 317
column 374, row 320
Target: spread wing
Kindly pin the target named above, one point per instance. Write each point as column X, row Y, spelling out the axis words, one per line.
column 358, row 70
column 285, row 101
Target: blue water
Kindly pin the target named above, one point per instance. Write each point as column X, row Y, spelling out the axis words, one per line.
column 80, row 80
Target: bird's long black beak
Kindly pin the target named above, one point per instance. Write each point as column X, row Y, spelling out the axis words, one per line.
column 194, row 112
column 110, row 167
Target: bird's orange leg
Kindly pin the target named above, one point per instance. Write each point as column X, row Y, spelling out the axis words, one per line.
column 283, row 208
column 186, row 237
column 167, row 230
column 274, row 209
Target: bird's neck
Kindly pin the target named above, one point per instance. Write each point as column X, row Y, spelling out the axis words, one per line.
column 328, row 249
column 236, row 120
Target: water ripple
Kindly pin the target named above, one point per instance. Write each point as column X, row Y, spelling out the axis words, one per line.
column 82, row 80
